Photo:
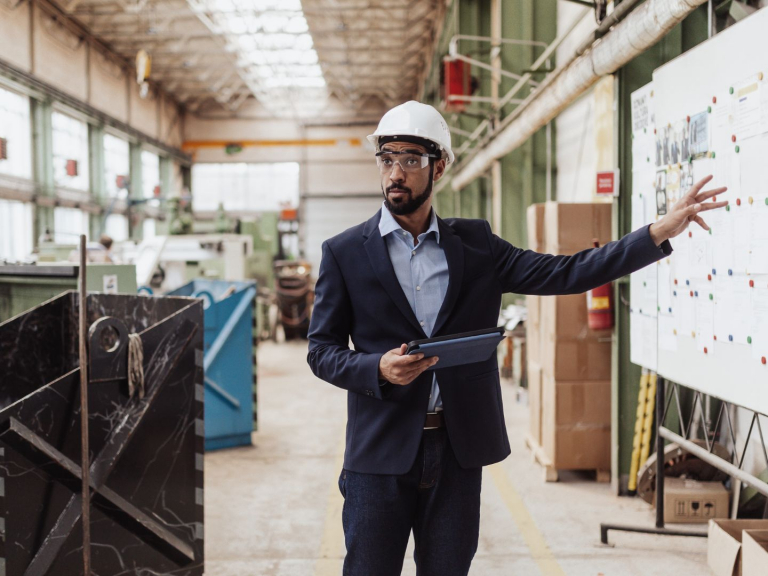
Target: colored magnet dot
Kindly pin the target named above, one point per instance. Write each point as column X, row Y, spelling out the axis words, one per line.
column 738, row 201
column 696, row 293
column 763, row 360
column 644, row 284
column 687, row 118
column 691, row 293
column 654, row 130
column 711, row 297
column 658, row 308
column 714, row 337
column 645, row 130
column 730, row 90
column 705, row 349
column 709, row 277
column 687, row 282
column 730, row 272
column 690, row 234
column 693, row 334
column 710, row 231
column 674, row 331
column 675, row 281
column 714, row 99
column 751, row 200
column 714, row 271
column 709, row 109
column 737, row 149
column 766, row 201
column 730, row 338
column 647, row 158
column 674, row 293
column 728, row 208
column 712, row 154
column 733, row 138
column 760, row 76
column 751, row 283
column 749, row 339
column 670, row 310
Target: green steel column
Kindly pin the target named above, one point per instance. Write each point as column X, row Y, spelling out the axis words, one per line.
column 42, row 140
column 97, row 177
column 136, row 191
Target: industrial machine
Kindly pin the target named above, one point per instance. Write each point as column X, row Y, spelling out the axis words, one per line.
column 295, row 296
column 24, row 287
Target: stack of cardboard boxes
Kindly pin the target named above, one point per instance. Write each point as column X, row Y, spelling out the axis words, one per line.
column 569, row 365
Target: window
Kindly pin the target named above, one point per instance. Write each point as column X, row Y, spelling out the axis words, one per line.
column 150, row 173
column 245, row 187
column 117, row 227
column 70, row 151
column 68, row 224
column 15, row 230
column 117, row 162
column 16, row 129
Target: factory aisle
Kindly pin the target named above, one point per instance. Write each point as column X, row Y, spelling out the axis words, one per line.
column 275, row 509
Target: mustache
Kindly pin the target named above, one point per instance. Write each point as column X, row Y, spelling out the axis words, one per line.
column 399, row 189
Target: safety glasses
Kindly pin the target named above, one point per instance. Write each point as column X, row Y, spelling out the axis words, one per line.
column 408, row 161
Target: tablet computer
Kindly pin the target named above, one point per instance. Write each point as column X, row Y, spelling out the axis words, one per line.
column 458, row 349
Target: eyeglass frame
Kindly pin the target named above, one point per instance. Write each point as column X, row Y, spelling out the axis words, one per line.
column 406, row 152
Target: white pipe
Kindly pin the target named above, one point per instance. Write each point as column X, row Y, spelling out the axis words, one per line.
column 640, row 30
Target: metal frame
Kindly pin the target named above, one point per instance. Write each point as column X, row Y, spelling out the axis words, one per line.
column 687, row 431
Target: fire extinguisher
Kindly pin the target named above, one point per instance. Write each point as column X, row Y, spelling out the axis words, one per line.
column 600, row 305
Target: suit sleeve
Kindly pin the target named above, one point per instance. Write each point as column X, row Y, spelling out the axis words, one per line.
column 528, row 272
column 329, row 354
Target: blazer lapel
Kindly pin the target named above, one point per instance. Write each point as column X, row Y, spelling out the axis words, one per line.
column 453, row 248
column 378, row 254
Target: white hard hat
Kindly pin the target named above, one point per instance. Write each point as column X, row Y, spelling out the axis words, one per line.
column 415, row 119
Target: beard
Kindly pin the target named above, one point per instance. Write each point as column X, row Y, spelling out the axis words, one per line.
column 408, row 204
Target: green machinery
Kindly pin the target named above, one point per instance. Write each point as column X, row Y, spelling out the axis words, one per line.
column 24, row 287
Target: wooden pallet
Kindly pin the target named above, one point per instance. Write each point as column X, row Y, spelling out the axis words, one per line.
column 550, row 473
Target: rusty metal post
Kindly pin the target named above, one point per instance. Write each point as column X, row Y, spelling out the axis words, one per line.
column 85, row 451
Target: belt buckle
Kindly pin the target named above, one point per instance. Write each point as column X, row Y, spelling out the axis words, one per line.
column 432, row 427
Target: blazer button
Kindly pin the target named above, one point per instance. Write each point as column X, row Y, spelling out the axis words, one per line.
column 369, row 393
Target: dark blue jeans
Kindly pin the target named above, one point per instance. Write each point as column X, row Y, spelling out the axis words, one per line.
column 437, row 499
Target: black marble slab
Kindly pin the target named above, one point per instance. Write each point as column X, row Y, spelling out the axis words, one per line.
column 146, row 453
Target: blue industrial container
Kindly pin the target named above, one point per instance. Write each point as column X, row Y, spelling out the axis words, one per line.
column 230, row 360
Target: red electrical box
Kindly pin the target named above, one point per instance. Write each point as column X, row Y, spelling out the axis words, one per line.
column 3, row 149
column 71, row 167
column 457, row 82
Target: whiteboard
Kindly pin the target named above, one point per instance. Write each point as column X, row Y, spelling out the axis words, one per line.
column 710, row 108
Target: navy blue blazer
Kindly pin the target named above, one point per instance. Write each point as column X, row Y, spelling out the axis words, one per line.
column 358, row 295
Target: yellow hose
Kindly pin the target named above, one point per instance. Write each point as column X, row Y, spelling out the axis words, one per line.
column 642, row 396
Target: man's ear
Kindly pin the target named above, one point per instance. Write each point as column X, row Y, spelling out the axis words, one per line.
column 439, row 169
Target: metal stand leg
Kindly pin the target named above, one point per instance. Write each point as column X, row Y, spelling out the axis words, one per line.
column 604, row 528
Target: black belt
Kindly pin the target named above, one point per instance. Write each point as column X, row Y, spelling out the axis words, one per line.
column 434, row 420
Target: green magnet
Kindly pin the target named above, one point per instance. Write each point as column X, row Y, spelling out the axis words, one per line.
column 730, row 90
column 737, row 149
column 709, row 109
column 749, row 339
column 728, row 208
column 711, row 297
column 713, row 154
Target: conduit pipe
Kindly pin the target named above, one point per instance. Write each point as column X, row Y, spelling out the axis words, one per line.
column 640, row 30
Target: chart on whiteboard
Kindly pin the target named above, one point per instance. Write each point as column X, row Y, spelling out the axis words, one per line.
column 700, row 316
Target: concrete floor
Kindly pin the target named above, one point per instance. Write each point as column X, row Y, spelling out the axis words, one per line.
column 275, row 509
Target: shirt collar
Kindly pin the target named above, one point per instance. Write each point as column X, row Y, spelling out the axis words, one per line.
column 388, row 224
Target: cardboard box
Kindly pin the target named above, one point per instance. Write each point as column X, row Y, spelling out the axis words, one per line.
column 571, row 228
column 724, row 544
column 575, row 359
column 581, row 447
column 534, row 401
column 754, row 553
column 694, row 502
column 535, row 224
column 576, row 403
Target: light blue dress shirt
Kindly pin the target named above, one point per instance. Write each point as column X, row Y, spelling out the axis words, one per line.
column 422, row 271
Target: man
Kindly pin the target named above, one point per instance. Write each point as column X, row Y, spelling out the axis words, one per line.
column 417, row 439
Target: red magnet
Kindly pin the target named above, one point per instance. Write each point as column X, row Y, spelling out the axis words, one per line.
column 738, row 201
column 709, row 276
column 751, row 283
column 687, row 118
column 705, row 349
column 733, row 138
column 690, row 234
column 714, row 99
column 762, row 359
column 691, row 293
